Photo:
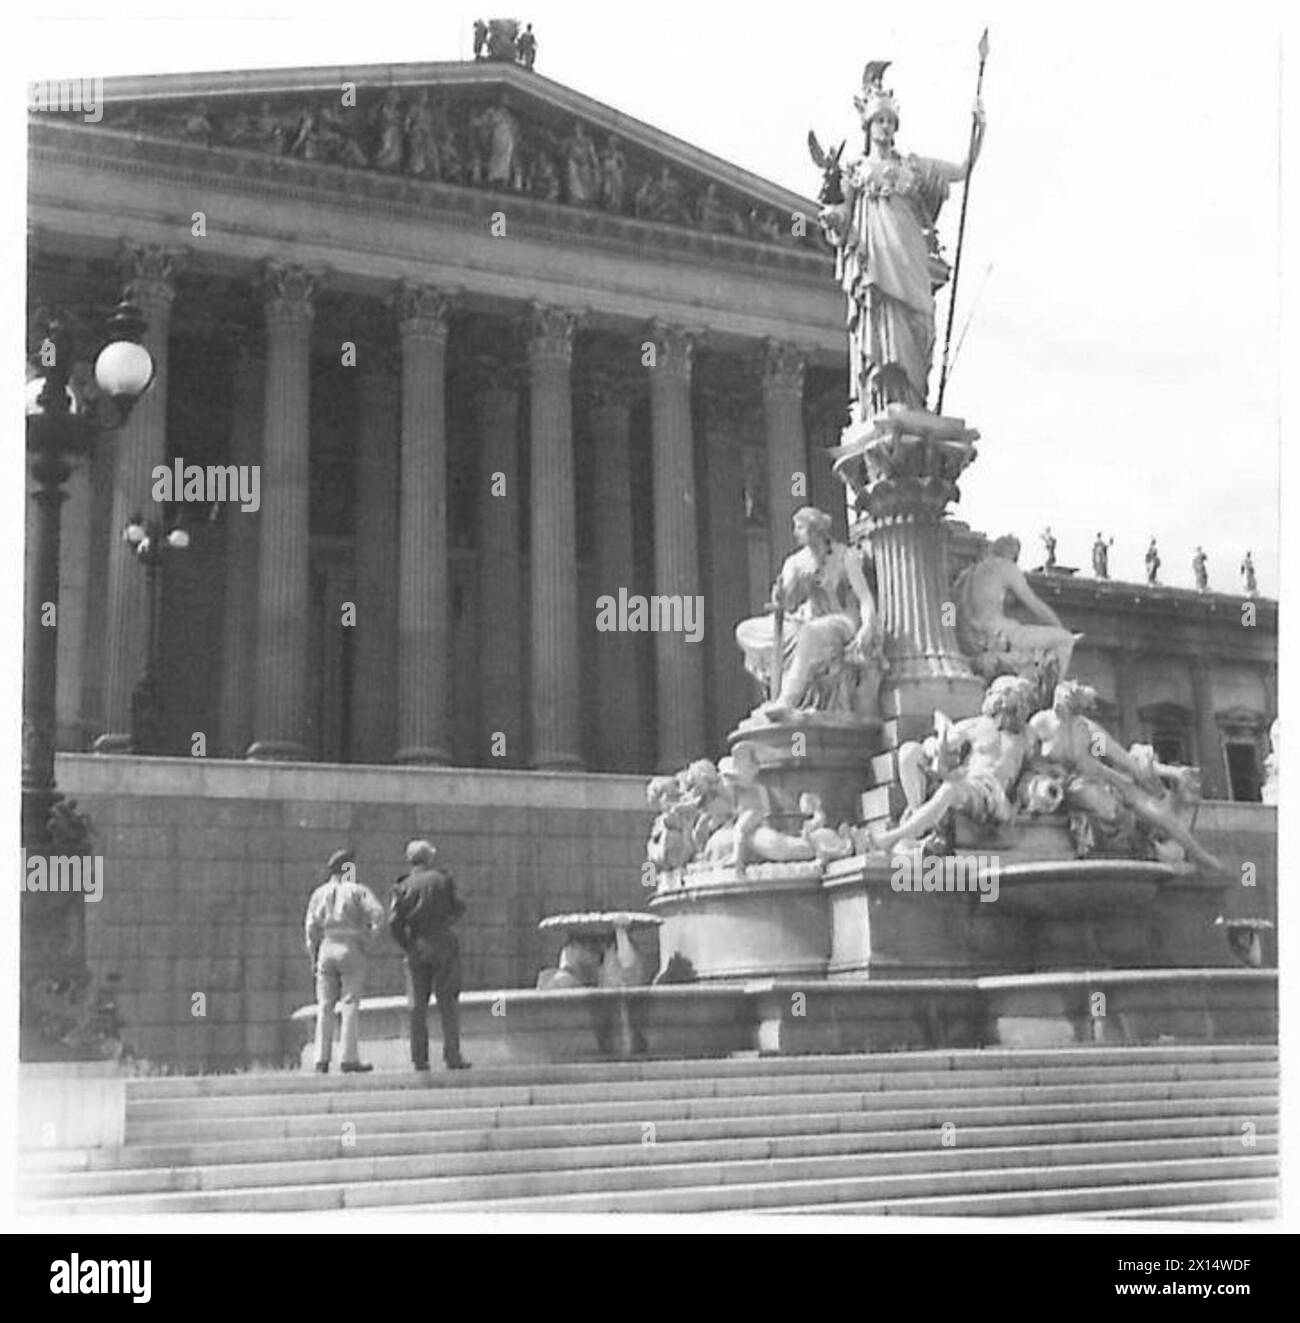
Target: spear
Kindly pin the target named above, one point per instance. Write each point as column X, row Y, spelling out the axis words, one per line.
column 961, row 224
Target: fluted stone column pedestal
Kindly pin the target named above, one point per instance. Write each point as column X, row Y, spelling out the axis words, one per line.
column 903, row 469
column 422, row 591
column 557, row 736
column 283, row 585
column 150, row 280
column 679, row 663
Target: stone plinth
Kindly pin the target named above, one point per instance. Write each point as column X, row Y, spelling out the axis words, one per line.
column 793, row 1017
column 1131, row 1006
column 902, row 469
column 771, row 920
column 1040, row 914
column 820, row 755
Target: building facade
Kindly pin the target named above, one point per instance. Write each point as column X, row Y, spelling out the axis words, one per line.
column 497, row 350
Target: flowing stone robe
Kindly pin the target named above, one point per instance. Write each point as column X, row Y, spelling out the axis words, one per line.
column 888, row 271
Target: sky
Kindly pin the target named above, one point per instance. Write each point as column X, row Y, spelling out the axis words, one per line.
column 1120, row 272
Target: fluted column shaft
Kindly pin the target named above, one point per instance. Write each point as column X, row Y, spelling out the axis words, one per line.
column 422, row 616
column 149, row 279
column 74, row 585
column 239, row 615
column 911, row 558
column 787, row 453
column 616, row 671
column 283, row 566
column 557, row 739
column 679, row 664
column 374, row 648
column 500, row 579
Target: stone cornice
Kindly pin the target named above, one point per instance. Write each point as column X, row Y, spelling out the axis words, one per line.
column 521, row 85
column 263, row 174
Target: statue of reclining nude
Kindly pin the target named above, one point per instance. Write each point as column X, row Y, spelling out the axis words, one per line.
column 977, row 762
column 1124, row 799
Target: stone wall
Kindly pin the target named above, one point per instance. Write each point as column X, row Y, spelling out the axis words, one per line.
column 208, row 865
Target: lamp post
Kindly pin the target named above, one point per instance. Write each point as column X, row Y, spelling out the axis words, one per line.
column 153, row 544
column 60, row 430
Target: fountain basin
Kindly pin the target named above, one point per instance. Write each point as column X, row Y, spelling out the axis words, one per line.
column 767, row 921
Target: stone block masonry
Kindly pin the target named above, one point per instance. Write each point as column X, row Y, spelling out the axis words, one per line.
column 208, row 865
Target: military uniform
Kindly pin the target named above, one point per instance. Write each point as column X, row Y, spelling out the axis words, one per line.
column 423, row 907
column 342, row 919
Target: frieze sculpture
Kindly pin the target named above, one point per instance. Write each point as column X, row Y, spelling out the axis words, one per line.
column 411, row 133
column 883, row 233
column 818, row 650
column 995, row 641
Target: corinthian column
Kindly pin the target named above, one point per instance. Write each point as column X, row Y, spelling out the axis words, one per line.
column 557, row 739
column 239, row 616
column 679, row 664
column 283, row 585
column 422, row 616
column 374, row 657
column 617, row 699
column 149, row 276
column 500, row 570
column 787, row 456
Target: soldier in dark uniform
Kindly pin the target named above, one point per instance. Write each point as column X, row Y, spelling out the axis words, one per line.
column 423, row 907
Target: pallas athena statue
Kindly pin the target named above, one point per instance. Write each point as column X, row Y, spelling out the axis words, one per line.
column 887, row 257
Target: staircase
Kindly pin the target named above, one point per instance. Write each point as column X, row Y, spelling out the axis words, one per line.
column 1097, row 1132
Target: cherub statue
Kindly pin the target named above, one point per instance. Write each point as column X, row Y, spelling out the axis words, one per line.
column 671, row 844
column 747, row 838
column 828, row 843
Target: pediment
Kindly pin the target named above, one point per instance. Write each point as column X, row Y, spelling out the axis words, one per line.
column 481, row 126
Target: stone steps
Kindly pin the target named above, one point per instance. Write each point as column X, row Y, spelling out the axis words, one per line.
column 424, row 1111
column 1106, row 1131
column 1059, row 1123
column 742, row 1065
column 1211, row 1138
column 144, row 1112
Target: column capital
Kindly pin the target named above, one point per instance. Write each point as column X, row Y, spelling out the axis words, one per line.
column 783, row 366
column 287, row 292
column 550, row 333
column 149, row 271
column 422, row 310
column 674, row 348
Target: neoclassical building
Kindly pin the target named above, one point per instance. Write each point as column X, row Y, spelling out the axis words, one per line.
column 497, row 350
